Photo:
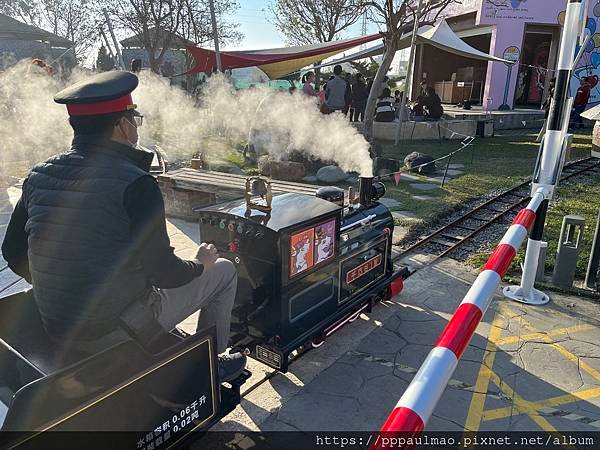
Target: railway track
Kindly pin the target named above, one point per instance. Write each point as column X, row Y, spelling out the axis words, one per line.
column 461, row 230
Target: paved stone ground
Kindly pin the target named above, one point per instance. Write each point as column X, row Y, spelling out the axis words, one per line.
column 527, row 368
column 540, row 371
column 545, row 367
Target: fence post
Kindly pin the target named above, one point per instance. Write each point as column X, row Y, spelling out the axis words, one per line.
column 446, row 171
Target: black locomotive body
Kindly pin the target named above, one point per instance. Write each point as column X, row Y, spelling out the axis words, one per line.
column 306, row 266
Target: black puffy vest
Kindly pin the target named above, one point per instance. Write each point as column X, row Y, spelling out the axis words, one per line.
column 83, row 272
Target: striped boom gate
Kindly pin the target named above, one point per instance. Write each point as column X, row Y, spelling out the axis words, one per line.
column 416, row 405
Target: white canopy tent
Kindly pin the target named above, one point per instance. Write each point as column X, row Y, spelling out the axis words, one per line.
column 440, row 36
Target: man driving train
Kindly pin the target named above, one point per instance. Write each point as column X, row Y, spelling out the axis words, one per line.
column 89, row 234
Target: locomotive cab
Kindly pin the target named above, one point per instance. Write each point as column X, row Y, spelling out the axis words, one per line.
column 305, row 264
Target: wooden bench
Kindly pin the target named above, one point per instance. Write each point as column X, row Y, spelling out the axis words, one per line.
column 185, row 189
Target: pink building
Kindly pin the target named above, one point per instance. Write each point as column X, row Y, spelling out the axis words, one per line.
column 524, row 30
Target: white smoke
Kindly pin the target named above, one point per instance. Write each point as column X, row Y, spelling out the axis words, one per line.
column 290, row 123
column 33, row 127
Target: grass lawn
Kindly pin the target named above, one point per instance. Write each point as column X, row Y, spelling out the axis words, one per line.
column 579, row 199
column 498, row 163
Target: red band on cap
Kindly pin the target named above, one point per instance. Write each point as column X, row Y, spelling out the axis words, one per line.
column 107, row 107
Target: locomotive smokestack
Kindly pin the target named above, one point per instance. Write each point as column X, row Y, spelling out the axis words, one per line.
column 366, row 191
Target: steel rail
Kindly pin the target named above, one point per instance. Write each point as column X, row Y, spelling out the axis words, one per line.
column 472, row 214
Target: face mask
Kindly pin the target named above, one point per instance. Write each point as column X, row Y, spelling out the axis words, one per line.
column 132, row 144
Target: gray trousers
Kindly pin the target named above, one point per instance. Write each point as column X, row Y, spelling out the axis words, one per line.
column 213, row 293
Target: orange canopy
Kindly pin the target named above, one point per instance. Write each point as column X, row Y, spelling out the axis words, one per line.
column 274, row 62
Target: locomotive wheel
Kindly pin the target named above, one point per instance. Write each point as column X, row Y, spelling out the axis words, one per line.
column 317, row 341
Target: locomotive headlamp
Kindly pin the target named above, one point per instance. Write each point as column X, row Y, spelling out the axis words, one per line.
column 259, row 186
column 377, row 191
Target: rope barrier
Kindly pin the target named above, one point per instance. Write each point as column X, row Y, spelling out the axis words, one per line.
column 416, row 405
column 464, row 144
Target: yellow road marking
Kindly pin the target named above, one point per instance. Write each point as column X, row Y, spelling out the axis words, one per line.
column 563, row 351
column 527, row 407
column 500, row 413
column 542, row 335
column 483, row 378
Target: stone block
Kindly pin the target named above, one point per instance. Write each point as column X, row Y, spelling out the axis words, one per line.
column 180, row 203
column 287, row 170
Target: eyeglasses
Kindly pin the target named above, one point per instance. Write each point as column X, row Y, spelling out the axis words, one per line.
column 139, row 120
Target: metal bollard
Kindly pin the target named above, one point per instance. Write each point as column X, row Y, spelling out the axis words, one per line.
column 591, row 275
column 571, row 237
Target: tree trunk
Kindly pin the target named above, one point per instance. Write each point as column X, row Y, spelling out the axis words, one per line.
column 388, row 56
column 317, row 76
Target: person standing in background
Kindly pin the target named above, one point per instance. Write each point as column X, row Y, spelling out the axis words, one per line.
column 348, row 95
column 335, row 93
column 307, row 88
column 136, row 65
column 581, row 100
column 546, row 108
column 359, row 98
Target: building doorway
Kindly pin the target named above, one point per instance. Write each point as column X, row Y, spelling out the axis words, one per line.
column 531, row 79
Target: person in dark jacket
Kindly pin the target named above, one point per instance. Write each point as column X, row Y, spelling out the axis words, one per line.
column 348, row 96
column 433, row 105
column 89, row 234
column 359, row 98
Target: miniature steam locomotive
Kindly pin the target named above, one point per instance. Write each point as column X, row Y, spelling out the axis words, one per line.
column 306, row 264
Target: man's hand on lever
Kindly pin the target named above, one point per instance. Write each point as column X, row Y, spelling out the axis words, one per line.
column 207, row 255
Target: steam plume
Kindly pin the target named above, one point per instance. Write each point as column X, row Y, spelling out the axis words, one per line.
column 34, row 127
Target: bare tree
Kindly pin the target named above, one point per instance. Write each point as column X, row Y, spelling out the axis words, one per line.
column 396, row 18
column 75, row 20
column 312, row 21
column 159, row 22
column 26, row 11
column 155, row 21
column 196, row 25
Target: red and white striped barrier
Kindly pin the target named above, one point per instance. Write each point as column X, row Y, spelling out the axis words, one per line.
column 420, row 398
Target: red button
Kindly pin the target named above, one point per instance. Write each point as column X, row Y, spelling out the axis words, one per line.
column 233, row 247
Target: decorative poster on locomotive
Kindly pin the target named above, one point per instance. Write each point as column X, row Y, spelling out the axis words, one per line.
column 302, row 251
column 311, row 247
column 324, row 241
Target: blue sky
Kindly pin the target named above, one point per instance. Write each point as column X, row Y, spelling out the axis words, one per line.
column 260, row 33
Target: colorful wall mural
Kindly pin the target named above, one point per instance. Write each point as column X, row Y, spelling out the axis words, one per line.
column 589, row 64
column 509, row 19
